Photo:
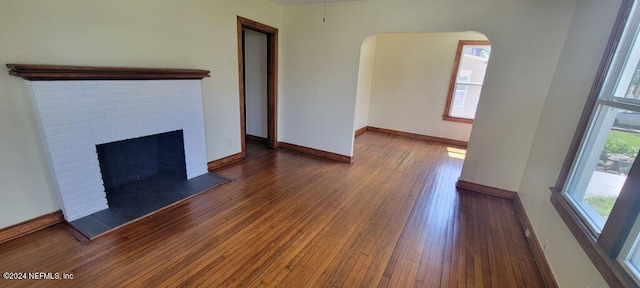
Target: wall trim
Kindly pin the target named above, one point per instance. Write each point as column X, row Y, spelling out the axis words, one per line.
column 30, row 226
column 473, row 187
column 67, row 72
column 272, row 80
column 532, row 239
column 360, row 131
column 419, row 136
column 609, row 268
column 534, row 245
column 316, row 152
column 215, row 164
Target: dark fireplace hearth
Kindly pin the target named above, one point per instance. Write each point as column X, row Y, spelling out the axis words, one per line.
column 140, row 176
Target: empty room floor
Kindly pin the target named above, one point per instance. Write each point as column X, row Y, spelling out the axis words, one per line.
column 393, row 218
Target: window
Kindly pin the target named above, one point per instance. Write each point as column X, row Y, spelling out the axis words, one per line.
column 467, row 77
column 598, row 191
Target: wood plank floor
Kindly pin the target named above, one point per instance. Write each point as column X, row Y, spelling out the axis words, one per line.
column 391, row 219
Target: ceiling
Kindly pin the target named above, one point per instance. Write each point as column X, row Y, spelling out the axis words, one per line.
column 297, row 2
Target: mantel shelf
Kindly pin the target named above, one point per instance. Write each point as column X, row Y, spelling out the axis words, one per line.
column 64, row 72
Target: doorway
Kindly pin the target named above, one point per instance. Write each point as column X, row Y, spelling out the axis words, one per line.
column 271, row 79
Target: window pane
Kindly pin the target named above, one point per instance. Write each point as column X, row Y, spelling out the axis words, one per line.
column 465, row 101
column 607, row 156
column 630, row 255
column 633, row 88
column 470, row 67
column 463, row 79
column 628, row 82
column 633, row 261
column 473, row 64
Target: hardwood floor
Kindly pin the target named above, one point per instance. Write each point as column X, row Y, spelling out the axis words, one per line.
column 391, row 219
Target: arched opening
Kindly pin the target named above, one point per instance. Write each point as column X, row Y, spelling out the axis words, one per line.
column 407, row 80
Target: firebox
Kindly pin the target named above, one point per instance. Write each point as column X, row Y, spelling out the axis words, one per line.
column 139, row 159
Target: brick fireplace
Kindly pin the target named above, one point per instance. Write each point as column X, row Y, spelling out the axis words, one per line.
column 75, row 114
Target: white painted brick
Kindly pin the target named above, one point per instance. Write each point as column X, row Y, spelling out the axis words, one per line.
column 100, row 94
column 88, row 103
column 72, row 214
column 60, row 138
column 57, row 147
column 50, row 87
column 77, row 82
column 108, row 111
column 75, row 190
column 55, row 130
column 90, row 198
column 79, row 186
column 82, row 87
column 83, row 190
column 96, row 205
column 58, row 122
column 67, row 96
column 45, row 83
column 73, row 160
column 52, row 114
column 54, row 105
column 78, row 128
column 91, row 118
column 66, row 154
column 42, row 97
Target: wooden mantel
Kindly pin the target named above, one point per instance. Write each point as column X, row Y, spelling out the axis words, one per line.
column 64, row 72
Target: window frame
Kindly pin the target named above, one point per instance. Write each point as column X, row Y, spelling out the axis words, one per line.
column 605, row 249
column 454, row 80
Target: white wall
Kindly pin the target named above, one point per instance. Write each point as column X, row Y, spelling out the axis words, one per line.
column 320, row 72
column 255, row 56
column 318, row 81
column 572, row 81
column 365, row 77
column 146, row 33
column 410, row 83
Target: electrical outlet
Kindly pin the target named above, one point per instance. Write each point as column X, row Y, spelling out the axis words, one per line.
column 545, row 245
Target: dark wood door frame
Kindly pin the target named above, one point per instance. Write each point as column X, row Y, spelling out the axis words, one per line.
column 272, row 80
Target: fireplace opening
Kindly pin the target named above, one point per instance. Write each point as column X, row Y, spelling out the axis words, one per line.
column 142, row 175
column 138, row 166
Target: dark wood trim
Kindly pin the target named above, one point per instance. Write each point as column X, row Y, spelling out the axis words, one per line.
column 30, row 226
column 66, row 72
column 316, row 152
column 623, row 214
column 457, row 119
column 603, row 251
column 534, row 245
column 454, row 76
column 272, row 88
column 608, row 267
column 215, row 164
column 473, row 187
column 241, row 88
column 256, row 139
column 272, row 79
column 360, row 131
column 587, row 111
column 419, row 136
